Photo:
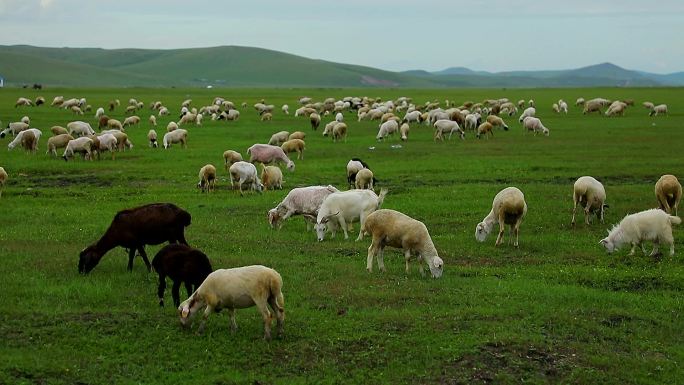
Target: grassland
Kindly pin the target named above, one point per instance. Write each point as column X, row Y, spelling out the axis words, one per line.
column 556, row 310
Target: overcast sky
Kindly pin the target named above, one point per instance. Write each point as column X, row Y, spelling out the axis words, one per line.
column 492, row 35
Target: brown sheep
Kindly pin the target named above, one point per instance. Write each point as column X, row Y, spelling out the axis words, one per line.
column 293, row 145
column 668, row 193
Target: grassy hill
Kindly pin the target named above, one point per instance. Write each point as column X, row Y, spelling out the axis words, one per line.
column 233, row 66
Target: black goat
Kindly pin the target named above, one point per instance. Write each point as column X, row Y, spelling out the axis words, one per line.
column 133, row 229
column 183, row 264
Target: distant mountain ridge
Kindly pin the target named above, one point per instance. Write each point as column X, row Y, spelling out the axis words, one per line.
column 235, row 66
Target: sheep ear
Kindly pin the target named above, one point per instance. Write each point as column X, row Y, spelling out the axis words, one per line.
column 310, row 217
column 185, row 312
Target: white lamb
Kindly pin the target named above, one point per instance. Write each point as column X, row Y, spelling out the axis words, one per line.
column 386, row 129
column 299, row 201
column 668, row 192
column 286, row 109
column 238, row 288
column 394, row 229
column 508, row 208
column 404, row 131
column 279, row 138
column 530, row 111
column 651, row 225
column 339, row 117
column 443, row 126
column 107, row 142
column 660, row 109
column 244, row 172
column 342, row 208
column 177, row 136
column 81, row 145
column 534, row 124
column 265, row 153
column 591, row 195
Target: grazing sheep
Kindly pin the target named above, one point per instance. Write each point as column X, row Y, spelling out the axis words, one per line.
column 343, row 208
column 14, row 128
column 528, row 112
column 266, row 153
column 82, row 145
column 485, row 129
column 412, row 117
column 339, row 131
column 271, row 177
column 531, row 102
column 555, row 108
column 650, row 225
column 79, row 128
column 152, row 137
column 134, row 228
column 39, row 101
column 294, row 145
column 443, row 126
column 3, row 179
column 183, row 264
column 57, row 101
column 99, row 112
column 496, row 121
column 19, row 139
column 279, row 138
column 297, row 135
column 579, row 102
column 353, row 167
column 299, row 201
column 267, row 116
column 57, row 141
column 315, row 120
column 339, row 117
column 534, row 124
column 172, row 126
column 395, row 229
column 177, row 136
column 23, row 102
column 648, row 105
column 364, row 179
column 76, row 110
column 188, row 118
column 123, row 142
column 660, row 109
column 131, row 121
column 286, row 109
column 404, row 131
column 230, row 157
column 327, row 130
column 508, row 208
column 107, row 142
column 238, row 288
column 591, row 195
column 244, row 172
column 102, row 121
column 386, row 129
column 25, row 119
column 521, row 104
column 563, row 106
column 232, row 115
column 207, row 178
column 616, row 108
column 668, row 192
column 58, row 130
column 163, row 111
column 153, row 120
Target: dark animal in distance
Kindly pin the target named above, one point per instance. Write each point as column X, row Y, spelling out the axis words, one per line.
column 134, row 228
column 183, row 264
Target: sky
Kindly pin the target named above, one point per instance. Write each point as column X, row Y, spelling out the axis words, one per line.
column 398, row 35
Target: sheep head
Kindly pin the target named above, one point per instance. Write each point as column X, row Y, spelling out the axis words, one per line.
column 436, row 266
column 88, row 259
column 608, row 244
column 322, row 226
column 290, row 166
column 188, row 308
column 482, row 230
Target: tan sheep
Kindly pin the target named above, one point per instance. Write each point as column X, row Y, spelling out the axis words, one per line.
column 297, row 135
column 668, row 192
column 315, row 120
column 76, row 110
column 58, row 141
column 271, row 177
column 496, row 121
column 364, row 179
column 591, row 195
column 152, row 138
column 58, row 130
column 131, row 121
column 3, row 179
column 339, row 131
column 172, row 126
column 114, row 124
column 29, row 142
column 230, row 157
column 153, row 120
column 294, row 145
column 207, row 178
column 485, row 129
column 508, row 208
column 267, row 116
column 404, row 131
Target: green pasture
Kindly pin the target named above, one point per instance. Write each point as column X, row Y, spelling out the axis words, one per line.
column 556, row 310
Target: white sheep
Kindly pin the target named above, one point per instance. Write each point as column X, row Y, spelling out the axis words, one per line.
column 99, row 112
column 386, row 129
column 530, row 111
column 131, row 121
column 650, row 225
column 443, row 126
column 238, row 288
column 123, row 142
column 279, row 138
column 57, row 141
column 412, row 117
column 342, row 208
column 404, row 131
column 299, row 201
column 230, row 157
column 3, row 179
column 81, row 145
column 531, row 123
column 591, row 195
column 508, row 208
column 207, row 178
column 79, row 128
column 339, row 117
column 286, row 109
column 23, row 102
column 14, row 128
column 648, row 105
column 265, row 153
column 177, row 136
column 563, row 106
column 153, row 120
column 616, row 108
column 668, row 192
column 579, row 102
column 660, row 109
column 172, row 126
column 271, row 177
column 107, row 142
column 25, row 119
column 163, row 111
column 152, row 138
column 244, row 172
column 18, row 139
column 395, row 229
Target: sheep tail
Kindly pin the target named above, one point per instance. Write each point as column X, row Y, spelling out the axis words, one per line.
column 675, row 220
column 381, row 197
column 277, row 293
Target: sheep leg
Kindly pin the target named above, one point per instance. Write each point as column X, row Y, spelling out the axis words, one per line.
column 161, row 289
column 362, row 220
column 499, row 238
column 205, row 316
column 277, row 303
column 343, row 224
column 656, row 248
column 381, row 258
column 516, row 231
column 131, row 255
column 266, row 315
column 372, row 251
column 407, row 257
column 631, row 252
column 143, row 255
column 233, row 324
column 175, row 292
column 188, row 289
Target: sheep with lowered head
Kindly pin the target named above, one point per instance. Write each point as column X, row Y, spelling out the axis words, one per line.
column 207, row 178
column 279, row 138
column 531, row 123
column 364, row 179
column 496, row 121
column 244, row 172
column 238, row 288
column 443, row 126
column 660, row 109
column 14, row 128
column 230, row 157
column 650, row 225
column 300, row 200
column 79, row 128
column 668, row 192
column 152, row 138
column 404, row 131
column 386, row 129
column 530, row 111
column 82, row 145
column 177, row 136
column 265, row 153
column 19, row 139
column 342, row 208
column 315, row 120
column 57, row 141
column 395, row 229
column 271, row 177
column 591, row 195
column 294, row 145
column 508, row 208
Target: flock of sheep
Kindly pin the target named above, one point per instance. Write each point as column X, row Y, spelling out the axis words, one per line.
column 325, row 207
